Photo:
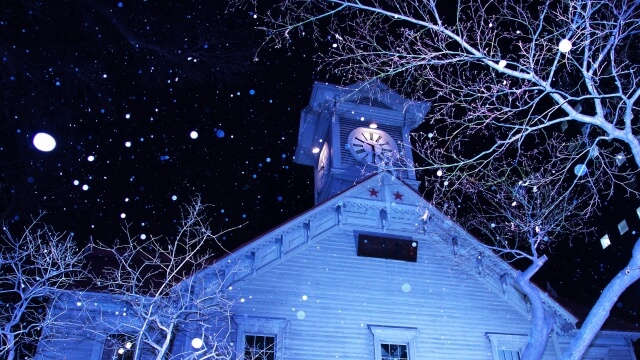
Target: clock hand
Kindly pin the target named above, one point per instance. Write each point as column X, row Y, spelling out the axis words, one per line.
column 373, row 153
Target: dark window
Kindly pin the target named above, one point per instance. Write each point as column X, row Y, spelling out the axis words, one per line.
column 387, row 247
column 259, row 347
column 508, row 355
column 118, row 347
column 394, row 352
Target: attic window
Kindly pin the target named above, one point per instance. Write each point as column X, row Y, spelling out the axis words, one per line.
column 385, row 247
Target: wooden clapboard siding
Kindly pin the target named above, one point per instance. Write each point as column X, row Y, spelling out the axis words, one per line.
column 607, row 345
column 451, row 310
column 453, row 304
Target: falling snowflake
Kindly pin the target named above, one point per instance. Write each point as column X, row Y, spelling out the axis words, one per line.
column 564, row 46
column 44, row 142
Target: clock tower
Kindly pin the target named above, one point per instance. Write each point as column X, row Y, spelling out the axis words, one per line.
column 349, row 133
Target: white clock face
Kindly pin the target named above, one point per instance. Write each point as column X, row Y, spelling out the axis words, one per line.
column 372, row 146
column 323, row 167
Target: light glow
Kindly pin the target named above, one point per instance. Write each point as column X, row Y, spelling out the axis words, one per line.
column 580, row 169
column 564, row 46
column 44, row 142
column 196, row 343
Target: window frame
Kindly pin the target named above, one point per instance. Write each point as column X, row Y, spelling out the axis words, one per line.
column 394, row 335
column 506, row 342
column 403, row 345
column 260, row 326
column 265, row 351
column 503, row 352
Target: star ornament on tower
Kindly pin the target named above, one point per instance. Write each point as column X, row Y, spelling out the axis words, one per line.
column 397, row 195
column 373, row 192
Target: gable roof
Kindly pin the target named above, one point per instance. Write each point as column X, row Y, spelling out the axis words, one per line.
column 383, row 203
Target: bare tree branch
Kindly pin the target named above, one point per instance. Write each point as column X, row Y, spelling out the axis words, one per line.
column 161, row 283
column 529, row 83
column 35, row 267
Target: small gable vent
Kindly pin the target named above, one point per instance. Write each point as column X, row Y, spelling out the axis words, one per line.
column 384, row 247
column 369, row 101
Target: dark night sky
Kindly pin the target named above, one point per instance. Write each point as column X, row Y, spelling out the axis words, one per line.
column 100, row 75
column 103, row 83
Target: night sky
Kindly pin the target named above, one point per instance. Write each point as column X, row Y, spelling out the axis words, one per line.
column 149, row 105
column 152, row 104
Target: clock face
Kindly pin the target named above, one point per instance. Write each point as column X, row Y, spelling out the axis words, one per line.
column 372, row 146
column 323, row 167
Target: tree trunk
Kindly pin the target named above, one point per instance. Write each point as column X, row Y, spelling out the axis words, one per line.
column 541, row 321
column 162, row 353
column 11, row 348
column 10, row 335
column 600, row 311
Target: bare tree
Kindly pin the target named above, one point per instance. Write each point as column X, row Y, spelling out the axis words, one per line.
column 512, row 71
column 521, row 214
column 506, row 78
column 35, row 267
column 160, row 284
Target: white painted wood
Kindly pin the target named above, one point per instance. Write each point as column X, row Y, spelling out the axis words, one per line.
column 306, row 274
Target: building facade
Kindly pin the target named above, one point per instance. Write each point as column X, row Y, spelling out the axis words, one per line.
column 372, row 271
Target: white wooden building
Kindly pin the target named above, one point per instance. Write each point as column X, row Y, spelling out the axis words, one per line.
column 372, row 271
